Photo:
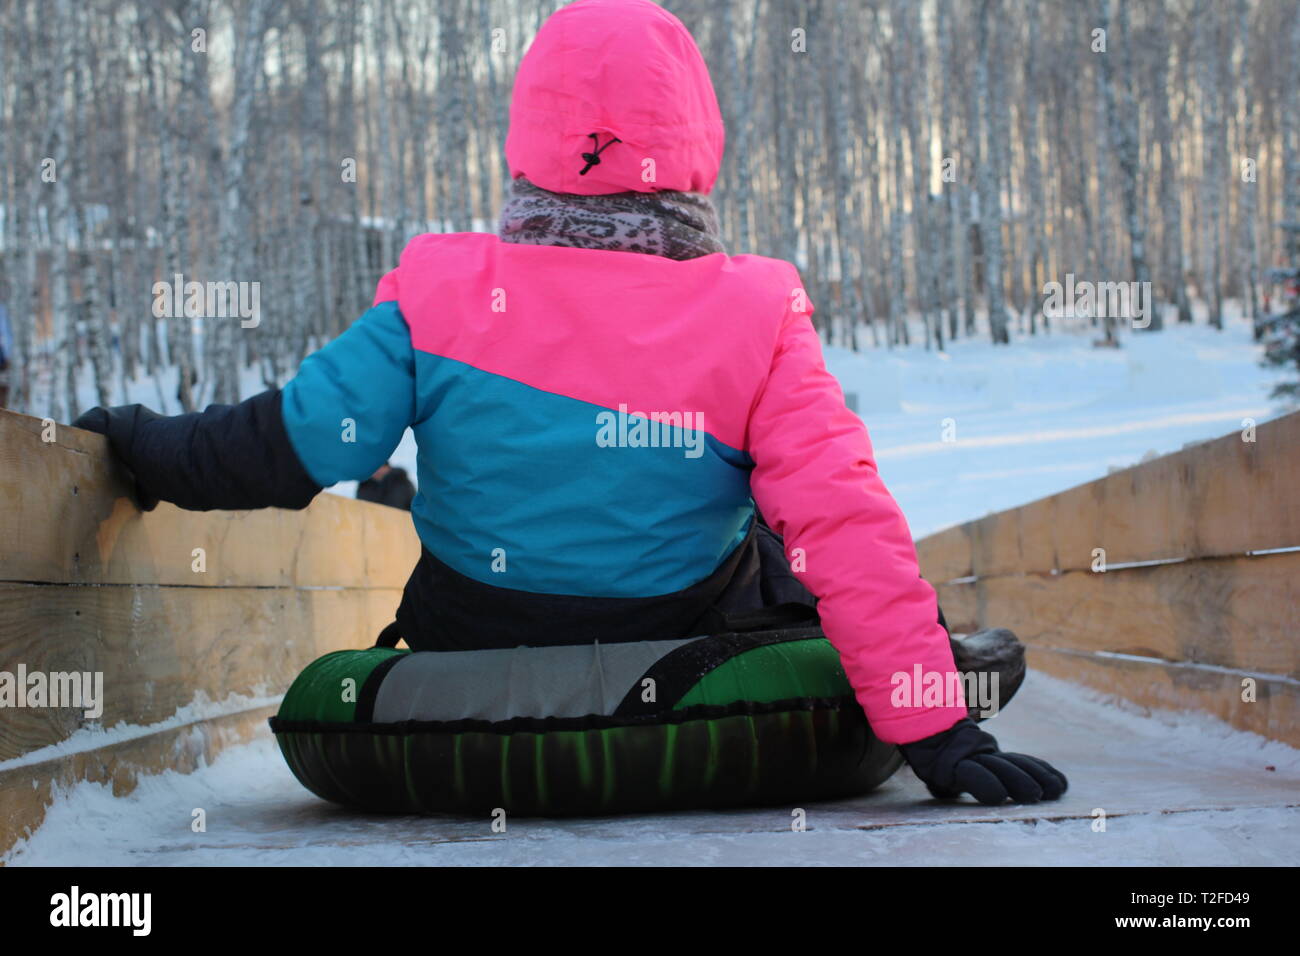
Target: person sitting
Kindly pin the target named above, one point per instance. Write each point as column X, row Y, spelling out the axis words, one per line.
column 604, row 401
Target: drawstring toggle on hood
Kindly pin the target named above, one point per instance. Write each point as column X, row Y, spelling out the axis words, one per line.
column 593, row 159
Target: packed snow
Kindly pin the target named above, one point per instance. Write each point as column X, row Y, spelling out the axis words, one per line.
column 1045, row 414
column 957, row 434
column 1165, row 782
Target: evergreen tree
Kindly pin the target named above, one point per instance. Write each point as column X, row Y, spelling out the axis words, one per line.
column 1282, row 330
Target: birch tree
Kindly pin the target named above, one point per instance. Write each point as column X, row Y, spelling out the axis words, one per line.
column 993, row 127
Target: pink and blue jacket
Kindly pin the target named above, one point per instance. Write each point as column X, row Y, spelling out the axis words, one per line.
column 507, row 408
column 596, row 428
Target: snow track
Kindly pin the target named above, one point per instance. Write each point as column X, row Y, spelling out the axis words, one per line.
column 1177, row 789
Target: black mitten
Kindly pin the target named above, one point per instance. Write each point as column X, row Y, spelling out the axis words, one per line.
column 231, row 457
column 118, row 425
column 965, row 759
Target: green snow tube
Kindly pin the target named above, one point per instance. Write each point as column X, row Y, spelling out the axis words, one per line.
column 727, row 720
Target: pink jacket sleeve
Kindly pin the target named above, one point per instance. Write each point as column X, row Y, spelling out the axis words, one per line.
column 815, row 482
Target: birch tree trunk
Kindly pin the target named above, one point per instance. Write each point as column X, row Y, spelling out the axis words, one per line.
column 388, row 156
column 453, row 134
column 1173, row 284
column 63, row 365
column 783, row 137
column 968, row 220
column 1122, row 134
column 953, row 244
column 990, row 200
column 1212, row 172
column 845, row 189
column 1291, row 157
column 251, row 28
column 898, row 334
column 1037, row 203
column 1248, row 185
column 1105, row 96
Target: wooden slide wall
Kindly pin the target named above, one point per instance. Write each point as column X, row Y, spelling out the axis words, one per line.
column 198, row 621
column 1198, row 599
column 192, row 660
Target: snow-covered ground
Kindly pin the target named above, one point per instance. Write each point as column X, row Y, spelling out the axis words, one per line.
column 1045, row 414
column 1029, row 420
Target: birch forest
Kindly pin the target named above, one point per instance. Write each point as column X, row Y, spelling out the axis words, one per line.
column 930, row 165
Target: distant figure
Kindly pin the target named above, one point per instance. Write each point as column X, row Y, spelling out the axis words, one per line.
column 388, row 486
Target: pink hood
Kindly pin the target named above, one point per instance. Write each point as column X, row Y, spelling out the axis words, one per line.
column 625, row 69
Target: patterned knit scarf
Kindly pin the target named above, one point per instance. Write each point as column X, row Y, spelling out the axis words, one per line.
column 677, row 225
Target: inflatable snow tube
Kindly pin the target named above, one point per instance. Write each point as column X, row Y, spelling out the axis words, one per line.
column 726, row 720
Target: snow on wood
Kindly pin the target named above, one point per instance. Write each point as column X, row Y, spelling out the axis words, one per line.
column 1151, row 789
column 169, row 607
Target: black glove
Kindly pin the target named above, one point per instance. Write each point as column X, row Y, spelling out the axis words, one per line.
column 118, row 425
column 229, row 457
column 965, row 759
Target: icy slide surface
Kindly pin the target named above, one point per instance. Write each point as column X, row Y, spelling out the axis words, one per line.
column 1166, row 782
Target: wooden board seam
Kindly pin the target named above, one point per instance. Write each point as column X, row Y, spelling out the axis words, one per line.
column 1167, row 662
column 1114, row 568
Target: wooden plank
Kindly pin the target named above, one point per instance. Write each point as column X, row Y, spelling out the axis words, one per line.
column 26, row 792
column 161, row 648
column 1220, row 498
column 67, row 519
column 1275, row 713
column 279, row 589
column 946, row 555
column 960, row 606
column 1224, row 612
